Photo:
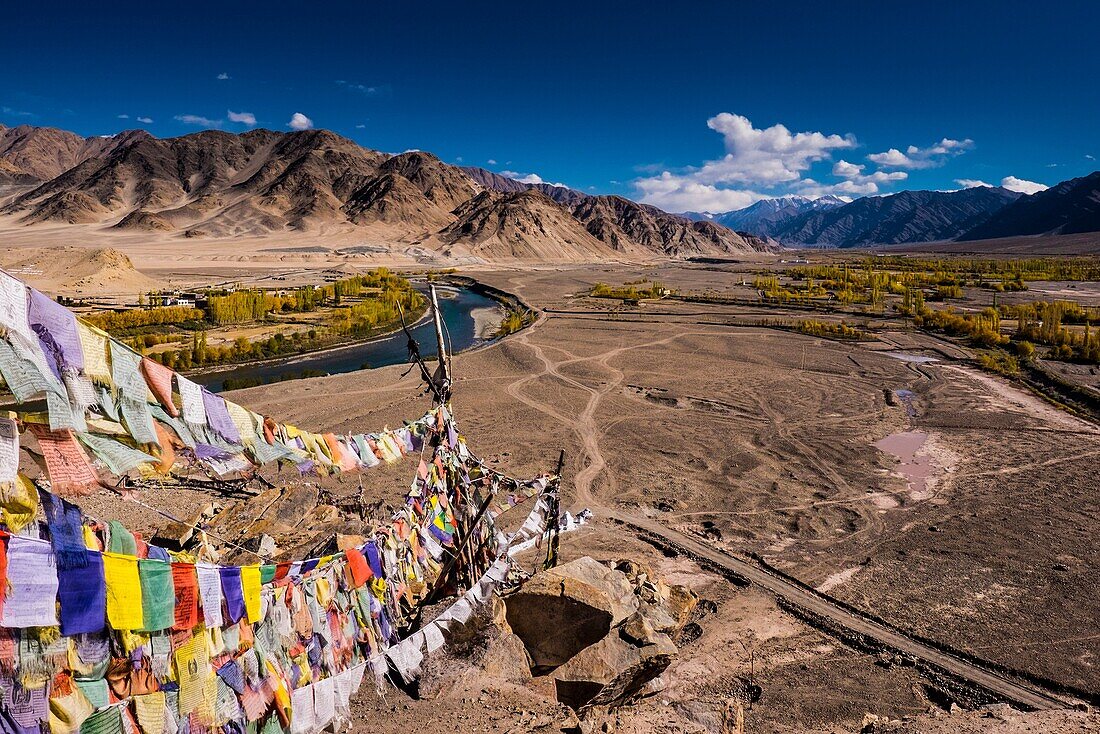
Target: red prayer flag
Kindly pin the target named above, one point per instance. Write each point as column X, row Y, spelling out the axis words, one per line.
column 159, row 379
column 360, row 569
column 187, row 595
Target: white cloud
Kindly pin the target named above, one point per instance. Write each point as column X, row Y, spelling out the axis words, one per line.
column 458, row 159
column 124, row 117
column 17, row 113
column 855, row 182
column 222, row 77
column 491, row 162
column 246, row 117
column 531, row 178
column 360, row 126
column 198, row 120
column 680, row 194
column 766, row 156
column 1020, row 185
column 754, row 156
column 298, row 121
column 364, row 88
column 146, row 120
column 1090, row 157
column 931, row 157
column 972, row 183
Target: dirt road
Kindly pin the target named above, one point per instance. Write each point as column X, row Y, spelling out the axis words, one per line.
column 1017, row 692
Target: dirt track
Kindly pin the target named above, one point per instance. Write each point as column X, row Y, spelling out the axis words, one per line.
column 818, row 604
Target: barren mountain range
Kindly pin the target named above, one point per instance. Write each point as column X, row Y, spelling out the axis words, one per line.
column 218, row 184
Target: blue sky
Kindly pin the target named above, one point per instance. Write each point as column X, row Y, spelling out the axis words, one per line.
column 685, row 105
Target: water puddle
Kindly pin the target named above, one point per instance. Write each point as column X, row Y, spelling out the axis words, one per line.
column 914, row 465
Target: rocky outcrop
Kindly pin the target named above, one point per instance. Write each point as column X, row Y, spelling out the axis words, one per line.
column 601, row 633
column 581, row 601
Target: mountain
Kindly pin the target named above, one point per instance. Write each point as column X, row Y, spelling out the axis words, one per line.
column 766, row 217
column 622, row 224
column 905, row 217
column 1071, row 207
column 496, row 182
column 618, row 222
column 524, row 225
column 218, row 184
column 30, row 154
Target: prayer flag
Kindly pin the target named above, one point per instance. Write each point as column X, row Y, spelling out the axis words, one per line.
column 233, row 593
column 124, row 610
column 83, row 596
column 185, row 583
column 210, row 590
column 66, row 464
column 358, row 566
column 250, row 586
column 158, row 597
column 31, row 599
column 159, row 379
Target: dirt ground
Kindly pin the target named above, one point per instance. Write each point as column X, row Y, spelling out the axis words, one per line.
column 762, row 441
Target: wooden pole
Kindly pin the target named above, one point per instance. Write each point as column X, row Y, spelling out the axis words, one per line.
column 444, row 365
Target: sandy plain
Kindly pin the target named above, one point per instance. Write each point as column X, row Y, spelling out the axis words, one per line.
column 761, row 441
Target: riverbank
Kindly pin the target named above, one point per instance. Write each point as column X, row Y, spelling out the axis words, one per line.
column 425, row 315
column 471, row 320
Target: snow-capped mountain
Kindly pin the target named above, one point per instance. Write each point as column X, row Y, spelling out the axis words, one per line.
column 768, row 216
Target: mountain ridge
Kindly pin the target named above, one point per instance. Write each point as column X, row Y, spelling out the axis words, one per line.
column 218, row 184
column 1070, row 207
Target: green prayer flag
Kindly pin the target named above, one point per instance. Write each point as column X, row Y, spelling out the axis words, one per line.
column 158, row 594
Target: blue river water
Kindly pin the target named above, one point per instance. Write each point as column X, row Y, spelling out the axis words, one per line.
column 456, row 304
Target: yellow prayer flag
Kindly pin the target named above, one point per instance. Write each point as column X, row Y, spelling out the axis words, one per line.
column 124, row 610
column 250, row 584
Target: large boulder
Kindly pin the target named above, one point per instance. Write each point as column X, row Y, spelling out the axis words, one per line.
column 603, row 635
column 612, row 671
column 562, row 611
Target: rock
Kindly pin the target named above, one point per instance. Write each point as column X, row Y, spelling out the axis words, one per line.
column 681, row 603
column 344, row 542
column 612, row 671
column 506, row 660
column 580, row 602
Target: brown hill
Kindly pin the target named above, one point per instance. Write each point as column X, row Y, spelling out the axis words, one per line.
column 31, row 154
column 525, row 225
column 621, row 223
column 77, row 271
column 218, row 184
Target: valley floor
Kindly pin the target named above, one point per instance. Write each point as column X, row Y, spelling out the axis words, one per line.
column 763, row 442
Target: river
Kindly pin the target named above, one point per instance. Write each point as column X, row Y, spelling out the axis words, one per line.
column 462, row 311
